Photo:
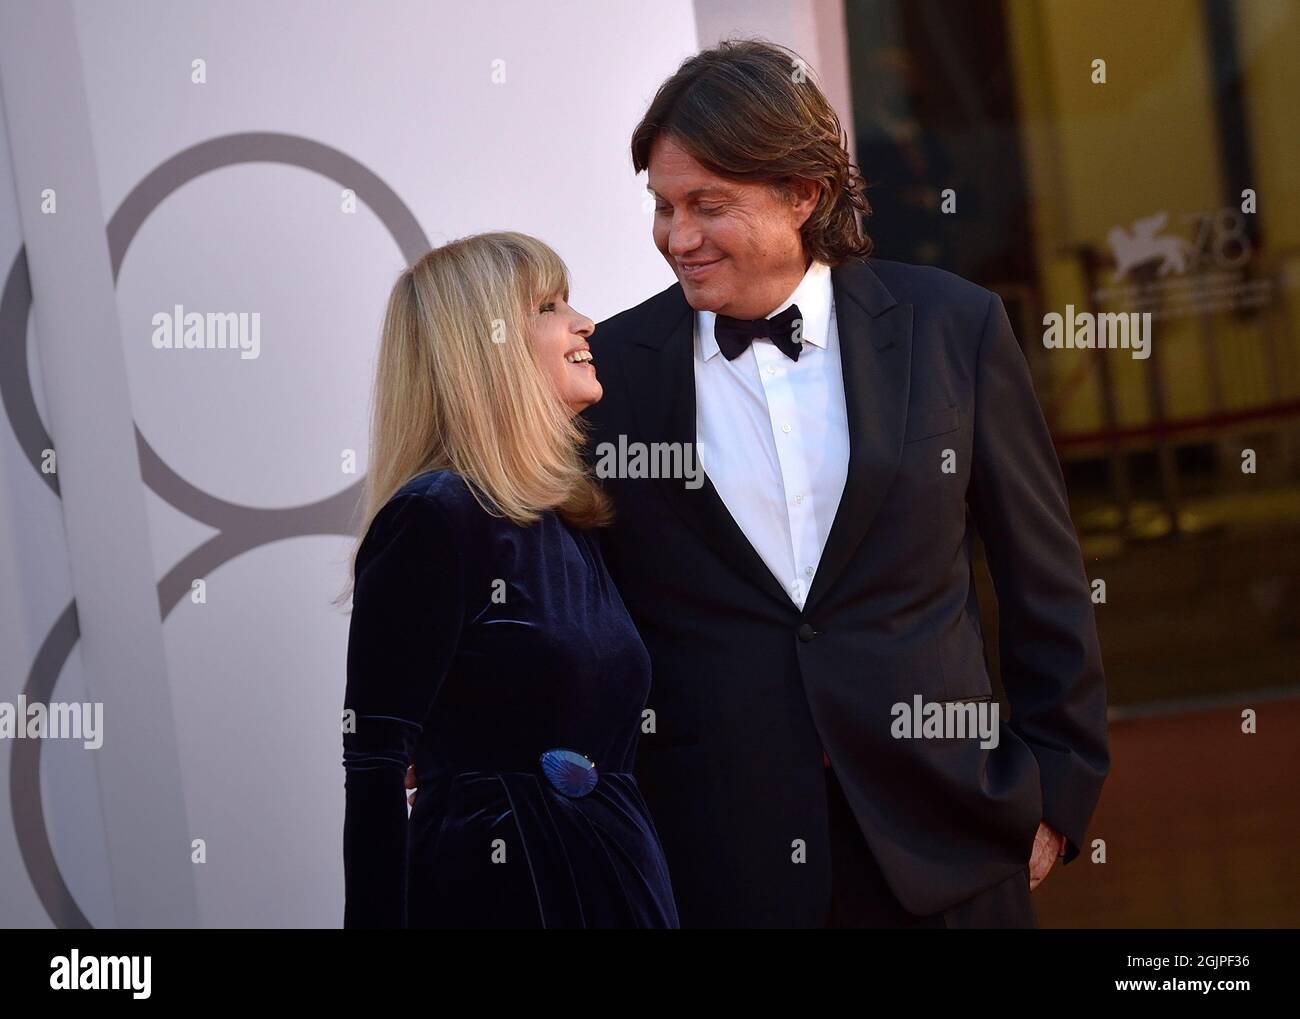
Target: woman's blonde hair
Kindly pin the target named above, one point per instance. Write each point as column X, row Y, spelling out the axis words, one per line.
column 458, row 386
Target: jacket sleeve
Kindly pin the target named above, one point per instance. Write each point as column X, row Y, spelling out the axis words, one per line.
column 1050, row 656
column 408, row 606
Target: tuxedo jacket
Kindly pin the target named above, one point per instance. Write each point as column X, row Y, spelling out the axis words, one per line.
column 947, row 442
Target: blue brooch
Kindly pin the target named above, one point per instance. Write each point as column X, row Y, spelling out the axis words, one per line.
column 570, row 772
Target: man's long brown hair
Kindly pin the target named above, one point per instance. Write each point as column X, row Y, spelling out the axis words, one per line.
column 750, row 110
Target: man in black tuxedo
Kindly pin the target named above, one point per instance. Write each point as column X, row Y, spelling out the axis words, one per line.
column 859, row 421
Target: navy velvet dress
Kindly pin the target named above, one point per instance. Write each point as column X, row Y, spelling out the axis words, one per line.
column 475, row 647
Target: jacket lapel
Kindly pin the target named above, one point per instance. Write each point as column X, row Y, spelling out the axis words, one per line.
column 875, row 336
column 662, row 383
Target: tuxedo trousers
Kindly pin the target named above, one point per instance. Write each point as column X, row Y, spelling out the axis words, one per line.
column 860, row 896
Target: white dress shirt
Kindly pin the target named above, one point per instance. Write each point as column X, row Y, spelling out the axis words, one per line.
column 772, row 434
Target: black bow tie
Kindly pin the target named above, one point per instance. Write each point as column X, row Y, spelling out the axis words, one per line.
column 734, row 334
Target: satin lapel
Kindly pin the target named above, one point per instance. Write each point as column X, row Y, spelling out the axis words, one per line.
column 875, row 337
column 661, row 377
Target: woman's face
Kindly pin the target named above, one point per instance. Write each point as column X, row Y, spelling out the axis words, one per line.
column 559, row 338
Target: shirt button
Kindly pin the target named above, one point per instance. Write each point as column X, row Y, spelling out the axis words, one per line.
column 798, row 499
column 785, row 428
column 771, row 369
column 808, row 570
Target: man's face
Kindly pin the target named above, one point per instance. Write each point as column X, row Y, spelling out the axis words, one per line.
column 734, row 245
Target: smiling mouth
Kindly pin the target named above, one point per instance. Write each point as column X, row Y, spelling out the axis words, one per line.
column 579, row 357
column 692, row 270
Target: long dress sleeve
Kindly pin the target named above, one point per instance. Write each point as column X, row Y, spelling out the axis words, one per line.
column 408, row 606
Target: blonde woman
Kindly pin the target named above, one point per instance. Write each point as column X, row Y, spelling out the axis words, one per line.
column 488, row 647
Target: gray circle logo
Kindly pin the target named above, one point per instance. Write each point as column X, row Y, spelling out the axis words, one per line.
column 240, row 528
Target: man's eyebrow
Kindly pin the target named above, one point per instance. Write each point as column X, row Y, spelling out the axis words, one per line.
column 710, row 189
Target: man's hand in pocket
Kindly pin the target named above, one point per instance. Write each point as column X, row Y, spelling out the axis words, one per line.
column 1048, row 845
